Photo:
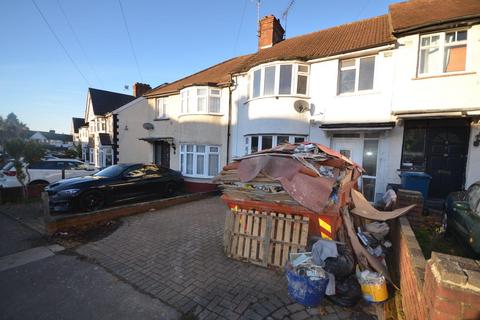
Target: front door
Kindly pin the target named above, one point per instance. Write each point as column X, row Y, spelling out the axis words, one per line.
column 446, row 156
column 364, row 152
column 162, row 153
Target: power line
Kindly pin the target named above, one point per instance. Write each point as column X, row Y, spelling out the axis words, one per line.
column 60, row 43
column 130, row 40
column 240, row 27
column 77, row 39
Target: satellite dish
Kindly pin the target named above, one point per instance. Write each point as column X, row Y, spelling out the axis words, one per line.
column 301, row 106
column 148, row 126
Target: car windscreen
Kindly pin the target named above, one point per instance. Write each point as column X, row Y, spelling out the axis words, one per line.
column 474, row 197
column 8, row 166
column 110, row 172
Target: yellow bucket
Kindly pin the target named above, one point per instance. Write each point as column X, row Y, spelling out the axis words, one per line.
column 375, row 292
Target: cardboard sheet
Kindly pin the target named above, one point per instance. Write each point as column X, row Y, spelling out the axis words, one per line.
column 364, row 209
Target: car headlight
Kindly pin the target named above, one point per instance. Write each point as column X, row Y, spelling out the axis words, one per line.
column 68, row 192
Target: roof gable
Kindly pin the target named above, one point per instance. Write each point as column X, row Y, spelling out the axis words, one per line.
column 77, row 123
column 104, row 102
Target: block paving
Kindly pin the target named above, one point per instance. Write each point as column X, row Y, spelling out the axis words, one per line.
column 176, row 255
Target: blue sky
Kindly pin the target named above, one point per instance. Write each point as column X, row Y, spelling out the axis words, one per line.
column 171, row 39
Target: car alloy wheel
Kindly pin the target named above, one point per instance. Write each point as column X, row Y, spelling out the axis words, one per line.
column 92, row 200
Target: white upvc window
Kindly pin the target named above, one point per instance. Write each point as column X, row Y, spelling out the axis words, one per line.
column 161, row 108
column 356, row 74
column 281, row 79
column 202, row 161
column 201, row 100
column 442, row 52
column 91, row 157
column 257, row 143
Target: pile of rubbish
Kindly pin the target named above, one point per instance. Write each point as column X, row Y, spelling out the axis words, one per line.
column 288, row 173
column 317, row 178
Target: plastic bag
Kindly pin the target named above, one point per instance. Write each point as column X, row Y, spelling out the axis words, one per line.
column 347, row 292
column 343, row 265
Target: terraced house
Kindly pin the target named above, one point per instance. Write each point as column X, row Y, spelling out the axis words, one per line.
column 395, row 92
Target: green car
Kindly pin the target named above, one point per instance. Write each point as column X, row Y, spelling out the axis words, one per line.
column 462, row 215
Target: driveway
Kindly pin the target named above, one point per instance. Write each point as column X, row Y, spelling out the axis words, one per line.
column 176, row 256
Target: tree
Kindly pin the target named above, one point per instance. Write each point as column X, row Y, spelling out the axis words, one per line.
column 11, row 128
column 24, row 152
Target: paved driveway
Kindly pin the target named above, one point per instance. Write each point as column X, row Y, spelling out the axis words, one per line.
column 176, row 255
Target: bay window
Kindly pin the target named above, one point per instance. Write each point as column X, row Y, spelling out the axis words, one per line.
column 201, row 161
column 279, row 79
column 257, row 143
column 200, row 100
column 356, row 74
column 442, row 52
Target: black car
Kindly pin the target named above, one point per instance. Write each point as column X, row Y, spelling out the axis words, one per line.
column 117, row 183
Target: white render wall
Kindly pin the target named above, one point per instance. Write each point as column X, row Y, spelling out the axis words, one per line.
column 445, row 92
column 205, row 128
column 365, row 106
column 130, row 149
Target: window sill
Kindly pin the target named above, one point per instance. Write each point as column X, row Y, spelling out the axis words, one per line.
column 444, row 75
column 358, row 93
column 297, row 96
column 161, row 119
column 201, row 114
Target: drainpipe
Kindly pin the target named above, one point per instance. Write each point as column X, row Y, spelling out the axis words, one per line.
column 115, row 138
column 229, row 116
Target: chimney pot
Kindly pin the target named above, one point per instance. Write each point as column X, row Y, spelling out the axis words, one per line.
column 270, row 32
column 140, row 88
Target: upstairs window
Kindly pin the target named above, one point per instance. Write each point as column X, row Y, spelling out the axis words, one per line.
column 356, row 75
column 160, row 108
column 280, row 79
column 442, row 52
column 200, row 100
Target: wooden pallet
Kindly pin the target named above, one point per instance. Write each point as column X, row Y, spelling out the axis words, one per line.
column 264, row 238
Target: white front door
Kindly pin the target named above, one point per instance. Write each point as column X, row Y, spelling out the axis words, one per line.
column 351, row 148
column 364, row 152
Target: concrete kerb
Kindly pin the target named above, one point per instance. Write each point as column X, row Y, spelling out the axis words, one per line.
column 63, row 222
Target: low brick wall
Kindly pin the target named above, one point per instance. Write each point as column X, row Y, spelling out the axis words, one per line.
column 444, row 287
column 63, row 222
column 15, row 194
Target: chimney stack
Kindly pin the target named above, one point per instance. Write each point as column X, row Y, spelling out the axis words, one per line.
column 270, row 32
column 140, row 88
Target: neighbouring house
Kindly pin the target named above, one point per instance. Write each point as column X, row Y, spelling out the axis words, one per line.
column 395, row 92
column 98, row 135
column 77, row 123
column 51, row 139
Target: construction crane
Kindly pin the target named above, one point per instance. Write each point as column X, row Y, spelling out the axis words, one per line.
column 285, row 15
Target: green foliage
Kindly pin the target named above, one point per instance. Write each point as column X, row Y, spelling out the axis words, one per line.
column 11, row 128
column 71, row 153
column 23, row 152
column 16, row 148
column 33, row 151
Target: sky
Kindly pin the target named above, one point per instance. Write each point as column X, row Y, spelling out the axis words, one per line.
column 45, row 81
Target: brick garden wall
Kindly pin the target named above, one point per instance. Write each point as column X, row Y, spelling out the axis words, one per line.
column 444, row 287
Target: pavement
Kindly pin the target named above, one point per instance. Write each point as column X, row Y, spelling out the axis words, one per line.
column 65, row 287
column 176, row 255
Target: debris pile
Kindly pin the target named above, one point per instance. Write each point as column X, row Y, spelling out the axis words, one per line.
column 288, row 174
